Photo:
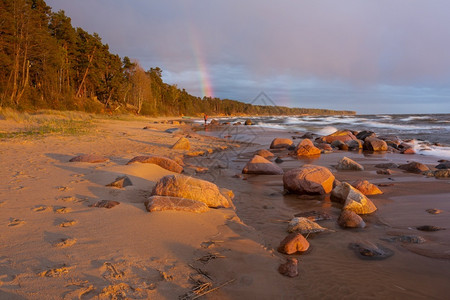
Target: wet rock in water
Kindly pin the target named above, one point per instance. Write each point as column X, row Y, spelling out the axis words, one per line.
column 260, row 165
column 429, row 228
column 354, row 144
column 278, row 143
column 172, row 130
column 264, row 153
column 374, row 144
column 308, row 135
column 369, row 250
column 289, row 268
column 182, row 144
column 366, row 187
column 349, row 219
column 278, row 160
column 409, row 150
column 445, row 173
column 308, row 179
column 162, row 203
column 190, row 188
column 347, row 164
column 434, row 211
column 293, row 243
column 443, row 165
column 237, row 123
column 384, row 172
column 386, row 166
column 121, row 182
column 314, row 215
column 362, row 135
column 304, row 226
column 306, row 148
column 248, row 122
column 341, row 135
column 414, row 167
column 407, row 239
column 89, row 158
column 353, row 199
column 105, row 204
column 163, row 162
column 214, row 122
column 324, row 146
column 339, row 145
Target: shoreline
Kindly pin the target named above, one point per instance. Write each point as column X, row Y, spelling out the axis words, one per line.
column 151, row 253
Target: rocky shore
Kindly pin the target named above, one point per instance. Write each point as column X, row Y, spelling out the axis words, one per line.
column 165, row 210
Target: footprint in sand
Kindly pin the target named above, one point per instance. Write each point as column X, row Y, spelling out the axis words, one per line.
column 42, row 208
column 63, row 188
column 68, row 223
column 64, row 243
column 71, row 199
column 62, row 210
column 15, row 222
column 55, row 272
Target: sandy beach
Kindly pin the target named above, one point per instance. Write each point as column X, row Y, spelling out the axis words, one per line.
column 56, row 245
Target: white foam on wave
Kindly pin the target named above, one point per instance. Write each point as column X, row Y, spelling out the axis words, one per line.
column 431, row 150
column 411, row 118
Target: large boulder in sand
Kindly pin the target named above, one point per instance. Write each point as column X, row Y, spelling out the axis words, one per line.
column 347, row 164
column 264, row 153
column 340, row 135
column 260, row 165
column 161, row 203
column 414, row 167
column 309, row 179
column 293, row 243
column 353, row 199
column 89, row 158
column 306, row 148
column 163, row 162
column 182, row 144
column 190, row 188
column 374, row 144
column 366, row 187
column 278, row 143
column 349, row 219
column 304, row 226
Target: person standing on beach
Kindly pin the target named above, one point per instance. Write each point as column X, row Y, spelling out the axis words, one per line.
column 205, row 117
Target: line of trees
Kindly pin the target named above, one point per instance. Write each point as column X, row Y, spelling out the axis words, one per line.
column 47, row 63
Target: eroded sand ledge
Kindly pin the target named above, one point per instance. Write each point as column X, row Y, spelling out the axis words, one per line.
column 126, row 251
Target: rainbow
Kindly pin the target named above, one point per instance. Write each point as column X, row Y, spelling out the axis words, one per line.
column 205, row 80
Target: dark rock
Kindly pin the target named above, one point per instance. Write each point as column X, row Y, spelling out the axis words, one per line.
column 324, row 146
column 407, row 239
column 163, row 162
column 308, row 135
column 443, row 165
column 309, row 179
column 368, row 250
column 362, row 135
column 214, row 122
column 105, row 204
column 414, row 167
column 89, row 158
column 172, row 130
column 391, row 139
column 349, row 219
column 248, row 122
column 289, row 268
column 314, row 215
column 387, row 166
column 278, row 143
column 121, row 182
column 354, row 144
column 445, row 173
column 429, row 228
column 434, row 211
column 278, row 160
column 293, row 243
column 162, row 203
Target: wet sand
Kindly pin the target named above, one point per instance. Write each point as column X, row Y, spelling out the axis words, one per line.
column 127, row 252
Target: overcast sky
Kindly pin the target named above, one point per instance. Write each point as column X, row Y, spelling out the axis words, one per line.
column 380, row 56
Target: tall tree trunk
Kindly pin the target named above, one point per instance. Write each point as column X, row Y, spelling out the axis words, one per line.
column 91, row 57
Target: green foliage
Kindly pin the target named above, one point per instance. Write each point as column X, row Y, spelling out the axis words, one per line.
column 47, row 63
